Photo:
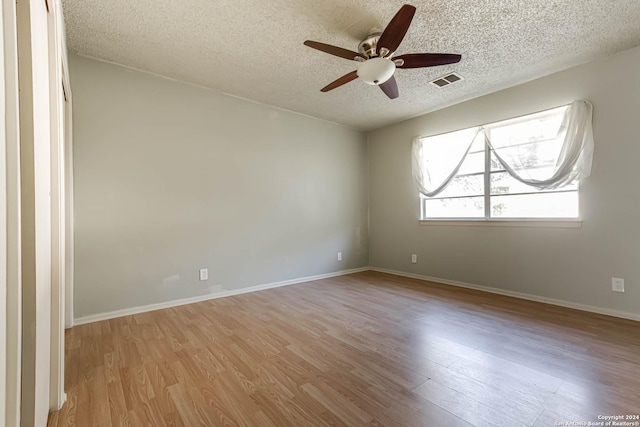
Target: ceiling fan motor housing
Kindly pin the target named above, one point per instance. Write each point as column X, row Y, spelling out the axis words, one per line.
column 369, row 45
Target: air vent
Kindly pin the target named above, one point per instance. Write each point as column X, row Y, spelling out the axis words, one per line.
column 447, row 80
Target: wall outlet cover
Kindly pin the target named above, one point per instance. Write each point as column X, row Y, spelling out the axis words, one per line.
column 617, row 284
column 339, row 256
column 204, row 274
column 414, row 258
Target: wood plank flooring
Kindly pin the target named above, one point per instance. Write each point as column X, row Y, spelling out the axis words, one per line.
column 368, row 349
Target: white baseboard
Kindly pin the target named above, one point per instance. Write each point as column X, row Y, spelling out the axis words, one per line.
column 158, row 306
column 520, row 295
column 58, row 405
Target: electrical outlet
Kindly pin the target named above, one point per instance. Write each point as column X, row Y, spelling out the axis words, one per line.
column 617, row 285
column 339, row 256
column 414, row 258
column 204, row 274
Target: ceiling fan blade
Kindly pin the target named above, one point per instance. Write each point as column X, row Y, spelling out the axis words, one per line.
column 342, row 80
column 333, row 50
column 419, row 60
column 397, row 28
column 390, row 87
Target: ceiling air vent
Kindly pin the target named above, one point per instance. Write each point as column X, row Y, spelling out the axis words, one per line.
column 447, row 80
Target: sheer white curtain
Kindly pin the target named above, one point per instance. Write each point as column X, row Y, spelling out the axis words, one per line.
column 434, row 167
column 547, row 161
column 546, row 150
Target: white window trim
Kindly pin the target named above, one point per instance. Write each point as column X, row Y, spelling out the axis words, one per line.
column 506, row 222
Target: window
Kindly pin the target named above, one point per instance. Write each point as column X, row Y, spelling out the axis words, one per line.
column 477, row 167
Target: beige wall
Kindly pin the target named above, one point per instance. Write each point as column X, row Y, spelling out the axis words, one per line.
column 170, row 178
column 575, row 265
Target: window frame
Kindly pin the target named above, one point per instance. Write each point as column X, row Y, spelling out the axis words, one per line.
column 487, row 219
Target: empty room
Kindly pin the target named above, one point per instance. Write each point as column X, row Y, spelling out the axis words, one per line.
column 320, row 213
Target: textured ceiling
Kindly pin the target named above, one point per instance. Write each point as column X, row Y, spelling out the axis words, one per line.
column 253, row 48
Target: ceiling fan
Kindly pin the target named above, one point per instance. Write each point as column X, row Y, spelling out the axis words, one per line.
column 375, row 55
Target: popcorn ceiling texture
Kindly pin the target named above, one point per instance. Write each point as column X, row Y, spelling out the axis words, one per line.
column 253, row 48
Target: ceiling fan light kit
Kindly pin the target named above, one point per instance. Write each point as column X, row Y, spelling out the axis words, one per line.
column 376, row 71
column 376, row 61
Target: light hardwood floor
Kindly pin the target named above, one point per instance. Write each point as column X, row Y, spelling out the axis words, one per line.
column 368, row 349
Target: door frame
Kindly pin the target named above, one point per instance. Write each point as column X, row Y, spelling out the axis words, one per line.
column 58, row 110
column 10, row 178
column 68, row 192
column 68, row 183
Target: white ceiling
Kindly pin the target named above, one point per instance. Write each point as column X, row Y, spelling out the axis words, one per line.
column 253, row 48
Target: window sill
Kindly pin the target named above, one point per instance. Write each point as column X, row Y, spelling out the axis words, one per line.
column 538, row 222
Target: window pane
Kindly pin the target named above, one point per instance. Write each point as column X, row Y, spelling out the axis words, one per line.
column 545, row 205
column 503, row 183
column 532, row 155
column 468, row 207
column 495, row 164
column 478, row 144
column 529, row 145
column 472, row 185
column 474, row 163
column 442, row 153
column 535, row 127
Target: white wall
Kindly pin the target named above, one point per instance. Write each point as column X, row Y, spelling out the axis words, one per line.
column 170, row 178
column 575, row 265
